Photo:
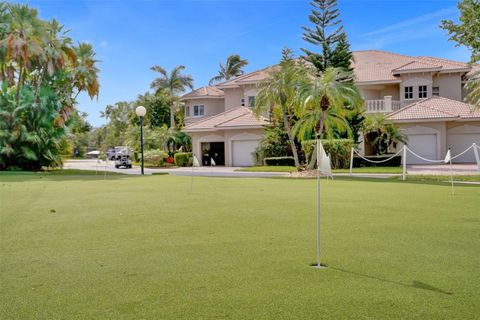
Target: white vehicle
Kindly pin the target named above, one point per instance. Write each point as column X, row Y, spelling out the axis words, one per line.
column 122, row 157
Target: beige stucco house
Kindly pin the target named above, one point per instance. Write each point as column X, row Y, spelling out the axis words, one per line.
column 421, row 94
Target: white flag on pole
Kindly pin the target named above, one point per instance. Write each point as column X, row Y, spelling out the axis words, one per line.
column 212, row 162
column 195, row 161
column 448, row 156
column 323, row 161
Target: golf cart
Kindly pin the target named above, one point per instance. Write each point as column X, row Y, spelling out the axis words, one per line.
column 122, row 157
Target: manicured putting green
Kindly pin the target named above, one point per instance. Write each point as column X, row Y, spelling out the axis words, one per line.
column 80, row 247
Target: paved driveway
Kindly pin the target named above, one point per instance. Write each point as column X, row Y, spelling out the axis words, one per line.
column 198, row 171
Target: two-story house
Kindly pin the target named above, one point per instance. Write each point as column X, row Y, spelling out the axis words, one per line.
column 421, row 94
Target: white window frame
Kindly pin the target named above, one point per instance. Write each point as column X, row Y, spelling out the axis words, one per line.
column 436, row 91
column 422, row 94
column 408, row 94
column 198, row 110
column 187, row 111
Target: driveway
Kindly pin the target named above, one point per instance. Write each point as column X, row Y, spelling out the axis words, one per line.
column 197, row 171
column 443, row 169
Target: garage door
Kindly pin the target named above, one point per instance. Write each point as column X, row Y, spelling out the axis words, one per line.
column 425, row 145
column 458, row 142
column 242, row 152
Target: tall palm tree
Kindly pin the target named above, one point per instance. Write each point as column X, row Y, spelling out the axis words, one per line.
column 324, row 100
column 473, row 87
column 171, row 84
column 231, row 69
column 277, row 94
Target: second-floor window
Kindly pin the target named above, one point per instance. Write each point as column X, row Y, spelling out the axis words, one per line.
column 435, row 91
column 198, row 110
column 422, row 92
column 187, row 111
column 408, row 92
column 251, row 101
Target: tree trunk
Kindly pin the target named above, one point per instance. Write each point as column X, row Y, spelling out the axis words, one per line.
column 286, row 124
column 172, row 116
column 313, row 159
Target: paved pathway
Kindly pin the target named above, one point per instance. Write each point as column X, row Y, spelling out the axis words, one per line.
column 459, row 169
column 198, row 171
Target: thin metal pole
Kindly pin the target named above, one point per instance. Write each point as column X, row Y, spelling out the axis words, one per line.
column 141, row 139
column 351, row 161
column 318, row 208
column 451, row 176
column 404, row 159
column 477, row 158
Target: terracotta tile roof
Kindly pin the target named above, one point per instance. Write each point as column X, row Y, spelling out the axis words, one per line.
column 204, row 92
column 376, row 65
column 435, row 108
column 233, row 118
column 251, row 77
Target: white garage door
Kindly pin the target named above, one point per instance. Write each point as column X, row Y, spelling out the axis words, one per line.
column 425, row 145
column 458, row 142
column 242, row 152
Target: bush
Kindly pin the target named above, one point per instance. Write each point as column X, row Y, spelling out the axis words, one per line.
column 155, row 158
column 183, row 159
column 274, row 143
column 279, row 161
column 394, row 162
column 338, row 150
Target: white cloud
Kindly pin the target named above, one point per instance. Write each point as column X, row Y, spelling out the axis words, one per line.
column 103, row 44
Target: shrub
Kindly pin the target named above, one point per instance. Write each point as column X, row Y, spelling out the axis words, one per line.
column 183, row 159
column 274, row 143
column 155, row 158
column 279, row 161
column 394, row 162
column 338, row 150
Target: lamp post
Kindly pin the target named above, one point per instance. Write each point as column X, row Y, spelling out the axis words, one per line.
column 141, row 111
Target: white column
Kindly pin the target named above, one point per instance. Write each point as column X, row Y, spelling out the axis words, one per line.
column 388, row 103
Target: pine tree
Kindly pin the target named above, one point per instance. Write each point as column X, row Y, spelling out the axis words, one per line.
column 328, row 34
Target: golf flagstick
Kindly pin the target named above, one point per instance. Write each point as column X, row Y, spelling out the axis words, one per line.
column 448, row 158
column 321, row 162
column 195, row 163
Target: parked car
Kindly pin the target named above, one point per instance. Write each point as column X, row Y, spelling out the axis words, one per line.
column 122, row 157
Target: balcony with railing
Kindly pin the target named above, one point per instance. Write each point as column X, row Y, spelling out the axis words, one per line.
column 384, row 105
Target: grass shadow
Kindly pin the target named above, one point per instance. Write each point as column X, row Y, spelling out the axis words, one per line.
column 415, row 284
column 60, row 175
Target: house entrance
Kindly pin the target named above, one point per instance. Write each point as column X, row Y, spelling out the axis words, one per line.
column 215, row 151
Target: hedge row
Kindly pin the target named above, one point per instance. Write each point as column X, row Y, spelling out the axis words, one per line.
column 279, row 161
column 394, row 162
column 155, row 158
column 183, row 159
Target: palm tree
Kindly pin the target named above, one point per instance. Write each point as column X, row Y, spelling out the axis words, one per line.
column 324, row 102
column 231, row 69
column 277, row 94
column 171, row 84
column 382, row 134
column 473, row 87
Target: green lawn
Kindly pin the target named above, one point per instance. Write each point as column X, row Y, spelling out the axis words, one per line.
column 80, row 247
column 293, row 169
column 287, row 169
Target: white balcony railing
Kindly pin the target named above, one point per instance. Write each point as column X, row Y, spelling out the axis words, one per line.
column 384, row 105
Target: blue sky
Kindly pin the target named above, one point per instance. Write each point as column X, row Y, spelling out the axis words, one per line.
column 131, row 36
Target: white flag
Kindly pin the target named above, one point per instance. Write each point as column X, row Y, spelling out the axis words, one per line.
column 448, row 156
column 212, row 162
column 323, row 161
column 195, row 161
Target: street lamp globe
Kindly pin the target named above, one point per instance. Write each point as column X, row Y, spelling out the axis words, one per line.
column 141, row 111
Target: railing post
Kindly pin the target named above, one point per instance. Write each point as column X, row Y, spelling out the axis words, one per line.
column 404, row 160
column 477, row 157
column 387, row 101
column 351, row 161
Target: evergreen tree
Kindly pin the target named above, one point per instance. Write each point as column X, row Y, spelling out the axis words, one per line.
column 328, row 34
